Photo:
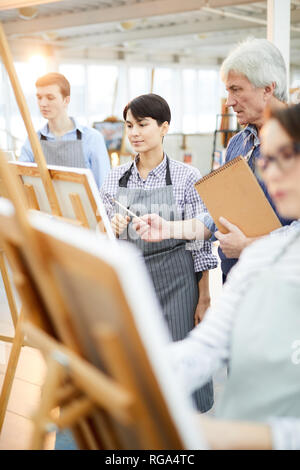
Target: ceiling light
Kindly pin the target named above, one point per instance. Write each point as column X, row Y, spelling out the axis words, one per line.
column 127, row 25
column 27, row 13
column 200, row 36
column 50, row 35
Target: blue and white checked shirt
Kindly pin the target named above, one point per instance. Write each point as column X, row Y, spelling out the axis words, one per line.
column 186, row 197
column 93, row 146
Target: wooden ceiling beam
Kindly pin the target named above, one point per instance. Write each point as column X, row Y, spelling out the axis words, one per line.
column 11, row 4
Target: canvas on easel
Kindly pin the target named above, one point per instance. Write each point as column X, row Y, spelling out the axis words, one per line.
column 7, row 289
column 15, row 236
column 79, row 201
column 119, row 327
column 76, row 191
column 16, row 340
column 27, row 289
column 121, row 394
column 22, row 250
column 89, row 306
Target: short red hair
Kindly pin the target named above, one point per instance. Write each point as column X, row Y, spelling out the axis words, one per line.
column 55, row 79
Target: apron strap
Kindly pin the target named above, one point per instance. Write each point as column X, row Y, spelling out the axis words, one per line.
column 168, row 174
column 123, row 181
column 78, row 135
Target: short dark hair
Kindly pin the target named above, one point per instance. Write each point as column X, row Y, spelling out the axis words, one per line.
column 289, row 119
column 55, row 79
column 150, row 105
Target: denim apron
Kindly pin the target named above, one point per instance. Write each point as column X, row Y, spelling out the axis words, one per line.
column 64, row 152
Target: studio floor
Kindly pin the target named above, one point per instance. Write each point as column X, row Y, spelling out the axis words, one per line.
column 31, row 371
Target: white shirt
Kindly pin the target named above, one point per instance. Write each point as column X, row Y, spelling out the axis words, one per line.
column 207, row 348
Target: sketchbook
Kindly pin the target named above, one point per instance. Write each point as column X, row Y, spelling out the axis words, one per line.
column 232, row 191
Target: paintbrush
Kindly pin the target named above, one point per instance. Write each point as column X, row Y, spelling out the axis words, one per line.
column 130, row 212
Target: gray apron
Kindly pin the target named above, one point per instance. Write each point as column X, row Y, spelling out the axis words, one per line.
column 170, row 265
column 64, row 152
column 264, row 380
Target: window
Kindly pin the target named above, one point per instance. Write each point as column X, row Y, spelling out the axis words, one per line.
column 102, row 80
column 98, row 91
column 209, row 99
column 76, row 75
column 27, row 72
column 202, row 92
column 139, row 81
column 190, row 105
column 168, row 84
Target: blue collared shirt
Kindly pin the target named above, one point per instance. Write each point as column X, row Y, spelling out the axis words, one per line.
column 240, row 144
column 93, row 146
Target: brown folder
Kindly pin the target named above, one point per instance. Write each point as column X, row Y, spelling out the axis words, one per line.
column 233, row 192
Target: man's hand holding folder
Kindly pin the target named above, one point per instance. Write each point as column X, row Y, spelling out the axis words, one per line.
column 233, row 242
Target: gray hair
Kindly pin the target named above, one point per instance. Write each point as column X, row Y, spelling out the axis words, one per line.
column 261, row 62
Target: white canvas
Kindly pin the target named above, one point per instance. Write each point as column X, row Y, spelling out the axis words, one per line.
column 135, row 281
column 63, row 188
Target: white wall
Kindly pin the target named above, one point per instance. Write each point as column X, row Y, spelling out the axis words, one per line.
column 199, row 145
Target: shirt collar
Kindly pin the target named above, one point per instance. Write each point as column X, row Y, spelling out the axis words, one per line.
column 251, row 131
column 158, row 171
column 47, row 133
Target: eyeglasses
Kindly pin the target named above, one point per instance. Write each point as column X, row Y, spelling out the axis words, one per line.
column 285, row 158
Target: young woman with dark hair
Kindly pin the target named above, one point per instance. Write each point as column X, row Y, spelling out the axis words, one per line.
column 154, row 183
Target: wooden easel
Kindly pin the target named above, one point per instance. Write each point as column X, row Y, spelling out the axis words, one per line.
column 76, row 190
column 32, row 203
column 99, row 372
column 10, row 296
column 78, row 208
column 103, row 382
column 19, row 240
column 8, row 63
column 35, row 143
column 14, row 191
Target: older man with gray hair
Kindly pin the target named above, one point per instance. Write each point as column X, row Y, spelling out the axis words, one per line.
column 254, row 74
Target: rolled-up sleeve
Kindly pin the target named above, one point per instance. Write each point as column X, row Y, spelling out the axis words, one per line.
column 207, row 220
column 201, row 250
column 108, row 192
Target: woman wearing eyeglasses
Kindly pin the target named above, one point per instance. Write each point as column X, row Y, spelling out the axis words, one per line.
column 255, row 325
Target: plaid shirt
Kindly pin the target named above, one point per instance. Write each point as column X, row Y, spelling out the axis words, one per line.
column 188, row 202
